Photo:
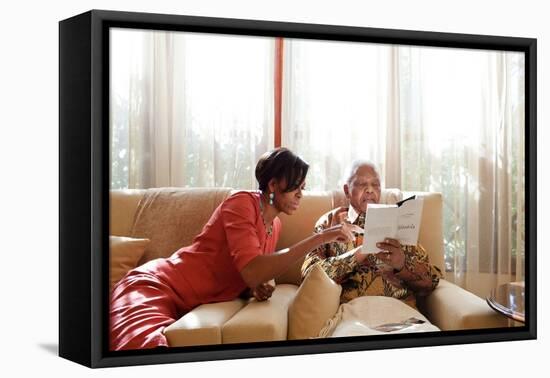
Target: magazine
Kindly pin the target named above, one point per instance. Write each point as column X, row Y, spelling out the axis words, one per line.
column 392, row 327
column 400, row 221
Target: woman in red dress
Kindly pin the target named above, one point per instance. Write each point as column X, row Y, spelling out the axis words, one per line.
column 234, row 252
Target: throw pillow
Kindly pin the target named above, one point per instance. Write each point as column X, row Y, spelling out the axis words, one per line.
column 124, row 255
column 316, row 301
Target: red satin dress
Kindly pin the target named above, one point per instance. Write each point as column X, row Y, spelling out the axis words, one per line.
column 156, row 294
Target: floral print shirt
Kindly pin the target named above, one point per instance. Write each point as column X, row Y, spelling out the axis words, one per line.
column 372, row 277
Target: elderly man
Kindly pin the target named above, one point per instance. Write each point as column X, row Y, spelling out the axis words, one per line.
column 399, row 271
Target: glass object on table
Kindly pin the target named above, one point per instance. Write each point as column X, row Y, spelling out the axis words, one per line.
column 509, row 300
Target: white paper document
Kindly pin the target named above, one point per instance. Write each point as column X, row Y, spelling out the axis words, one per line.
column 400, row 221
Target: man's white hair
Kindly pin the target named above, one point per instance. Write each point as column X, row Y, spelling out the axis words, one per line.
column 354, row 167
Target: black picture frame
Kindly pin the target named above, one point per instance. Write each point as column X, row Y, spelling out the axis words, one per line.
column 84, row 185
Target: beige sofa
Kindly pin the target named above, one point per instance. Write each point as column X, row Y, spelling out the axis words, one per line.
column 449, row 307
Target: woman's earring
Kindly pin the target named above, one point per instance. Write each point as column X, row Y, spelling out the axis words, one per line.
column 271, row 196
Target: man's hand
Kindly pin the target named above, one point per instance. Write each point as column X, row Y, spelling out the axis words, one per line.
column 338, row 216
column 392, row 253
column 263, row 292
column 360, row 257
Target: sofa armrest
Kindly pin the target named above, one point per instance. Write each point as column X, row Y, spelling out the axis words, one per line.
column 450, row 307
column 202, row 325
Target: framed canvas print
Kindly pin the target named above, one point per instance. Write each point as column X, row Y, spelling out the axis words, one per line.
column 216, row 177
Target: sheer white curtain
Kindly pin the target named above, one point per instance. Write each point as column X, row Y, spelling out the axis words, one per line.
column 338, row 105
column 189, row 109
column 432, row 119
column 462, row 115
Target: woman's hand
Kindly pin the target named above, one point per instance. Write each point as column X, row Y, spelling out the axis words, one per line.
column 263, row 292
column 343, row 233
column 392, row 253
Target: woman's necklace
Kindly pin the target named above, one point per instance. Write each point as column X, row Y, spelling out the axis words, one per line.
column 269, row 229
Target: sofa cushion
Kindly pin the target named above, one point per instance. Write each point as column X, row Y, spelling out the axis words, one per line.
column 172, row 217
column 124, row 254
column 361, row 317
column 431, row 229
column 203, row 325
column 261, row 321
column 315, row 303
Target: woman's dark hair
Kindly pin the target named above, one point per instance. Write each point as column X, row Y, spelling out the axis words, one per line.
column 281, row 163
